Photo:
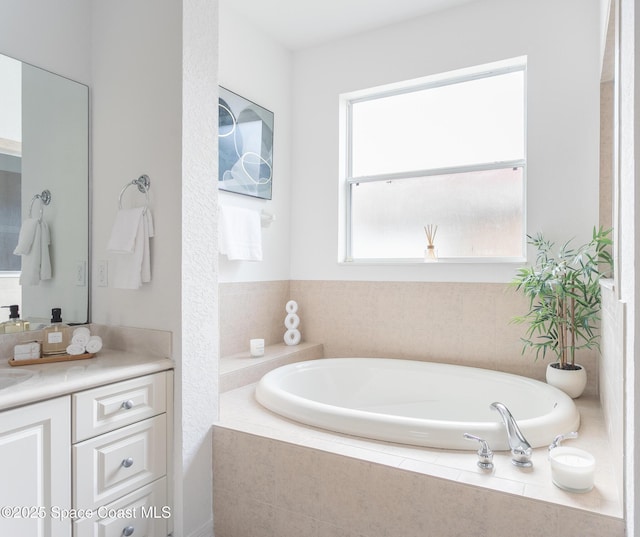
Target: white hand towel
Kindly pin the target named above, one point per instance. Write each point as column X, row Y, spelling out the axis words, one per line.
column 131, row 267
column 45, row 259
column 146, row 253
column 125, row 230
column 30, row 270
column 240, row 234
column 36, row 263
column 94, row 344
column 26, row 237
column 75, row 350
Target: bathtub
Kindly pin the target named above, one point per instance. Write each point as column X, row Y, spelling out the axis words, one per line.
column 413, row 402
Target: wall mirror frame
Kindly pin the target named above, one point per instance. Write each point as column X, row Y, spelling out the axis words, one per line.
column 44, row 146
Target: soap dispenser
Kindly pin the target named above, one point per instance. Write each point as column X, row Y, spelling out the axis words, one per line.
column 56, row 335
column 14, row 324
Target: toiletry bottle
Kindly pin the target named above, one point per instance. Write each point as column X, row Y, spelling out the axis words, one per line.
column 14, row 324
column 55, row 336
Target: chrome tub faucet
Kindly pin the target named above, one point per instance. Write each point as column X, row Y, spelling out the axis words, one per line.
column 520, row 448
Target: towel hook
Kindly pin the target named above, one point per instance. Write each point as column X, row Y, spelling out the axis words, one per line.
column 45, row 199
column 143, row 183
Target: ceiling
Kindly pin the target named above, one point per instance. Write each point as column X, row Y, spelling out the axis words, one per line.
column 299, row 24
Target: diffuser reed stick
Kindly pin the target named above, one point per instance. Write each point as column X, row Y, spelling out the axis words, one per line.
column 430, row 231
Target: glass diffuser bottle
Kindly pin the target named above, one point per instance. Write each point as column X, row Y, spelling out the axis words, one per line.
column 56, row 335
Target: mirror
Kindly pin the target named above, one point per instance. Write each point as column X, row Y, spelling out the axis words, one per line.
column 44, row 147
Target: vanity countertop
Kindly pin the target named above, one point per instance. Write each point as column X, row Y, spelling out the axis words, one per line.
column 61, row 378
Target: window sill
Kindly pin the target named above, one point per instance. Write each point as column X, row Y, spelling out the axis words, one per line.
column 439, row 261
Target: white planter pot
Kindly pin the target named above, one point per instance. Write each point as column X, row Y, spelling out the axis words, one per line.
column 571, row 382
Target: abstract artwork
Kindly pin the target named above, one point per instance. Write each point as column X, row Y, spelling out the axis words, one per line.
column 245, row 144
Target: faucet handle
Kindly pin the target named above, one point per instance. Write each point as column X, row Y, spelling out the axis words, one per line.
column 560, row 438
column 485, row 455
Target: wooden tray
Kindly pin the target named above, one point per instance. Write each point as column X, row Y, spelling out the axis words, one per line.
column 51, row 359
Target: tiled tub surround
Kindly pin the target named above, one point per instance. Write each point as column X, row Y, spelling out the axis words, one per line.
column 241, row 369
column 276, row 478
column 459, row 323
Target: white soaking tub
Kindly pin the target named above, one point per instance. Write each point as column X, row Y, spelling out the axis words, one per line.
column 413, row 402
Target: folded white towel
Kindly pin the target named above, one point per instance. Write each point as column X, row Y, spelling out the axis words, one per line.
column 132, row 262
column 25, row 356
column 240, row 234
column 36, row 263
column 125, row 230
column 80, row 338
column 82, row 330
column 27, row 351
column 26, row 237
column 149, row 232
column 75, row 350
column 94, row 344
column 45, row 259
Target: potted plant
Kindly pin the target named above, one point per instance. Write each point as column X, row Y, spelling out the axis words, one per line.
column 564, row 304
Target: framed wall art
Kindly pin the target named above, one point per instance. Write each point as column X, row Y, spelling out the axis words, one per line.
column 245, row 144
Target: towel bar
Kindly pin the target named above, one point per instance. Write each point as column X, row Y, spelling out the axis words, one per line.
column 266, row 219
column 45, row 199
column 143, row 183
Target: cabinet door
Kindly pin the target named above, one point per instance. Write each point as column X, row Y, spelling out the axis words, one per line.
column 35, row 469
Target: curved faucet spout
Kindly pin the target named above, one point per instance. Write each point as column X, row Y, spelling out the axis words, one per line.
column 520, row 448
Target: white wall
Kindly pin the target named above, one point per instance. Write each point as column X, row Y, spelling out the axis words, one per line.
column 628, row 154
column 256, row 67
column 154, row 110
column 133, row 56
column 562, row 42
column 11, row 99
column 137, row 128
column 198, row 367
column 52, row 35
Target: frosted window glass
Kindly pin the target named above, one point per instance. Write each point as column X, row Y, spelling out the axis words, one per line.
column 470, row 122
column 478, row 214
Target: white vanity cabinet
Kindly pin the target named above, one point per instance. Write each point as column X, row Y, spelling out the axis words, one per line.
column 35, row 469
column 120, row 453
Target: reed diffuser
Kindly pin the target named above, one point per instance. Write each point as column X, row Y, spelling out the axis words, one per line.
column 430, row 254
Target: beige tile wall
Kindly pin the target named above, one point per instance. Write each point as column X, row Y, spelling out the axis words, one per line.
column 268, row 488
column 251, row 310
column 606, row 154
column 460, row 323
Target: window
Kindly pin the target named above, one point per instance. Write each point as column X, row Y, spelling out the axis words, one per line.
column 446, row 151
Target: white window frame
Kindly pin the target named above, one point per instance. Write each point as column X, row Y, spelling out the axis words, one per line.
column 445, row 79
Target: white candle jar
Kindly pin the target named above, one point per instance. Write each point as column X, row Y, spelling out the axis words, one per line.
column 572, row 469
column 256, row 347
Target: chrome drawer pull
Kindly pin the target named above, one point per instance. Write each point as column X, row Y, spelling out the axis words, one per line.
column 127, row 405
column 128, row 531
column 127, row 463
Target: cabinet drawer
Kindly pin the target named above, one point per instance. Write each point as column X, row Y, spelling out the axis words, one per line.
column 116, row 463
column 107, row 408
column 144, row 511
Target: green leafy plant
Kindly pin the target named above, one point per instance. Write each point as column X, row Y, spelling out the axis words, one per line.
column 564, row 296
